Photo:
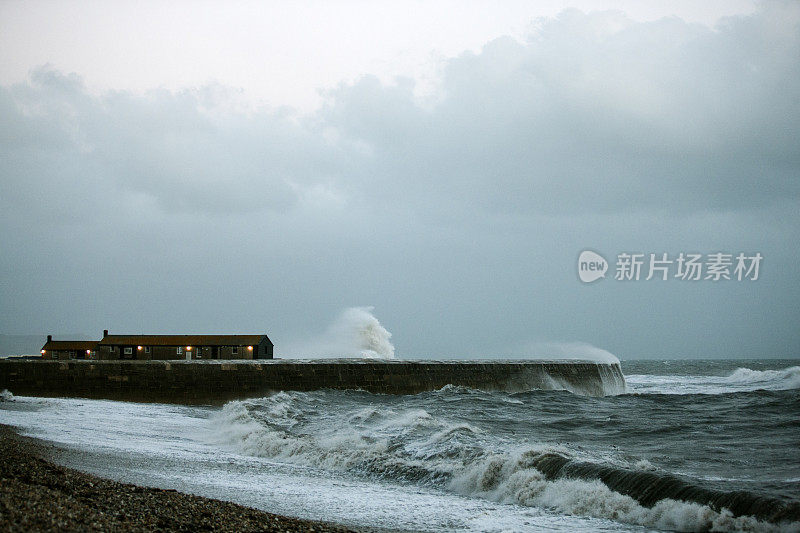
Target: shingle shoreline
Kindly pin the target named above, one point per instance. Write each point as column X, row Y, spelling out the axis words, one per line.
column 38, row 495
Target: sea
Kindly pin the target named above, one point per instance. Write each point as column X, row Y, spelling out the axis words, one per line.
column 683, row 445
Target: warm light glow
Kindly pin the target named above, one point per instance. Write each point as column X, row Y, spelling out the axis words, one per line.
column 250, row 348
column 189, row 348
column 87, row 352
column 138, row 347
column 42, row 352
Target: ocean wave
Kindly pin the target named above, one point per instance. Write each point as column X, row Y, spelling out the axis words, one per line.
column 529, row 478
column 740, row 380
column 788, row 378
column 411, row 445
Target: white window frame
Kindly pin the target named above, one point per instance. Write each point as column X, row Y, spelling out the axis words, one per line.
column 127, row 350
column 234, row 350
column 146, row 349
column 179, row 350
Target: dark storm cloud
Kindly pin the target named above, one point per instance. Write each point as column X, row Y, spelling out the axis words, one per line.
column 458, row 217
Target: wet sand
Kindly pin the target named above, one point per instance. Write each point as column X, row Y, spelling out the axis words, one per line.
column 38, row 495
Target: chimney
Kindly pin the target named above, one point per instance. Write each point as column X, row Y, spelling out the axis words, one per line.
column 49, row 338
column 105, row 333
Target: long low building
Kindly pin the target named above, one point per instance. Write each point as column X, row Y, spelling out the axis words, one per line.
column 69, row 349
column 187, row 347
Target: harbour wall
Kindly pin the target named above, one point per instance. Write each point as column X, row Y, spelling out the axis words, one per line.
column 217, row 382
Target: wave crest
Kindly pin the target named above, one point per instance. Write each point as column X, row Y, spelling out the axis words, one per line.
column 788, row 378
column 740, row 380
column 413, row 445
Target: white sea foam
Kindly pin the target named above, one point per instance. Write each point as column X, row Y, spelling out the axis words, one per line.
column 356, row 332
column 347, row 449
column 165, row 446
column 508, row 479
column 740, row 380
column 413, row 445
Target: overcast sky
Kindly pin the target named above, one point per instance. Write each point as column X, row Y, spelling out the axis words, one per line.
column 259, row 167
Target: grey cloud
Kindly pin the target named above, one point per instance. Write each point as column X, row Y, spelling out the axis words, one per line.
column 459, row 220
column 656, row 115
column 593, row 111
column 162, row 145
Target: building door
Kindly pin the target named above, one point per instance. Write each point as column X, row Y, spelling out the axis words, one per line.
column 215, row 352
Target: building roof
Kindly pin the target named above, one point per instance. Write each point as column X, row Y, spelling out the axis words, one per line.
column 183, row 340
column 70, row 345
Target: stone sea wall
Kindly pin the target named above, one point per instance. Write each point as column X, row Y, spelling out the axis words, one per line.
column 221, row 381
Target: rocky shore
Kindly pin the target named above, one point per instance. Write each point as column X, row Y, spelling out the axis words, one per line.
column 38, row 495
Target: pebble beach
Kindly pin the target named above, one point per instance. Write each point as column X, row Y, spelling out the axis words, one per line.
column 38, row 495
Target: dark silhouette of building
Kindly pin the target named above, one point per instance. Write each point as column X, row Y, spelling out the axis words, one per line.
column 69, row 349
column 188, row 347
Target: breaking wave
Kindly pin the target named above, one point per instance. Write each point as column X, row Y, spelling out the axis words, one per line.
column 740, row 380
column 356, row 332
column 412, row 445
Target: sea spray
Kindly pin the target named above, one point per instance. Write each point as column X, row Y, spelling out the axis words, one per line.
column 565, row 350
column 356, row 332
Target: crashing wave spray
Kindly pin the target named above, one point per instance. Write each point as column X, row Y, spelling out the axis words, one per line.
column 569, row 350
column 371, row 338
column 355, row 333
column 607, row 367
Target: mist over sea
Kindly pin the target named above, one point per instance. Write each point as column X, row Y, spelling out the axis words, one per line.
column 464, row 459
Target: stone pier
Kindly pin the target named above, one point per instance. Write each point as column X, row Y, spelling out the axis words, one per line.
column 216, row 382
